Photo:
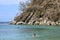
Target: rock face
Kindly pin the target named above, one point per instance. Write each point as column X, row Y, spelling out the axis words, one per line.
column 40, row 12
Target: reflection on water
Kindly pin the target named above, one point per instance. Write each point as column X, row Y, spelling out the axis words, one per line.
column 28, row 32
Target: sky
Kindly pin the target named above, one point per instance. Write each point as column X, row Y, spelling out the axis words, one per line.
column 9, row 9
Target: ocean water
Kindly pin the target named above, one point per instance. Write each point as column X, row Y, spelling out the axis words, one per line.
column 29, row 32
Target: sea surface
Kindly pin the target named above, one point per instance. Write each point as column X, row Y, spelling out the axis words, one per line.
column 29, row 32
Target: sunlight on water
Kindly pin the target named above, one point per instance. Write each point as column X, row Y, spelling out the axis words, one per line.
column 29, row 32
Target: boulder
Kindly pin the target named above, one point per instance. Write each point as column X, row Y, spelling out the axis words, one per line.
column 30, row 23
column 48, row 22
column 36, row 23
column 57, row 22
column 53, row 23
column 19, row 23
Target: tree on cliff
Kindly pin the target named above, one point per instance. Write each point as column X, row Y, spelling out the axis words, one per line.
column 38, row 9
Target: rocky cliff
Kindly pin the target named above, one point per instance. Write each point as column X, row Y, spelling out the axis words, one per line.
column 40, row 12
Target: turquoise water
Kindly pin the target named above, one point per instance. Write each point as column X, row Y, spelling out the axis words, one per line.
column 26, row 32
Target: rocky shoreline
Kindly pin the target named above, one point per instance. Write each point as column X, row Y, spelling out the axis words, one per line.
column 38, row 22
column 40, row 12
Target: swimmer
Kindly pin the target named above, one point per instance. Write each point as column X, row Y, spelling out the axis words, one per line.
column 34, row 35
